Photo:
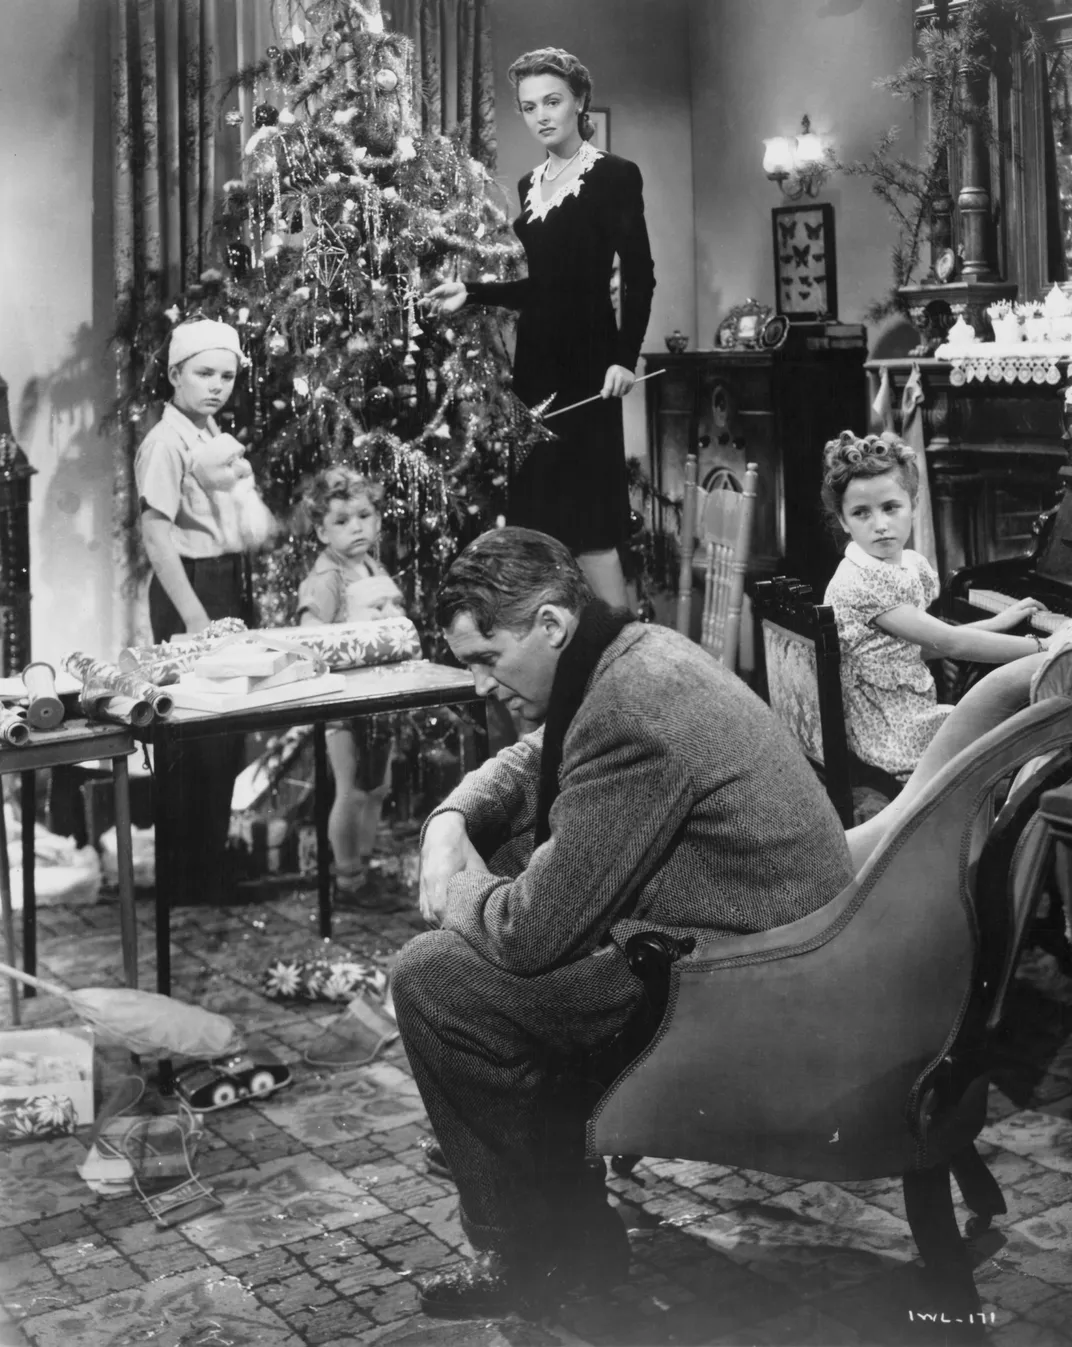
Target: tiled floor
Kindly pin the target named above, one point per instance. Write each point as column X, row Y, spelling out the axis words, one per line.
column 328, row 1211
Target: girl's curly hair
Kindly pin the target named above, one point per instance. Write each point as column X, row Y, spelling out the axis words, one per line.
column 851, row 456
column 564, row 66
column 338, row 483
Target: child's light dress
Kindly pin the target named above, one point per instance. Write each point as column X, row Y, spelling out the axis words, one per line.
column 891, row 703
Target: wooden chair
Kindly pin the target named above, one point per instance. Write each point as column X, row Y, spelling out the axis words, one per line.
column 720, row 518
column 851, row 1045
column 798, row 669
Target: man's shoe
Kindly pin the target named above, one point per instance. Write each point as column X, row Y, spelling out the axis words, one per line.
column 484, row 1287
column 490, row 1287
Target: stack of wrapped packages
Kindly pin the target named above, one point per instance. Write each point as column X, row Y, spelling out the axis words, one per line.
column 228, row 668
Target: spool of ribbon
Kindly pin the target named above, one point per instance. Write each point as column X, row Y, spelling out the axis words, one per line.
column 102, row 674
column 13, row 727
column 45, row 710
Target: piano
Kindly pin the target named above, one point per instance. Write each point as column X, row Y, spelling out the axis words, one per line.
column 1045, row 573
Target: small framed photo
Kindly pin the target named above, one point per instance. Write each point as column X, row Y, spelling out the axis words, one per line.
column 805, row 261
column 601, row 121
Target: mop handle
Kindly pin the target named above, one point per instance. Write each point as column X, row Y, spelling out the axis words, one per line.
column 20, row 976
column 596, row 397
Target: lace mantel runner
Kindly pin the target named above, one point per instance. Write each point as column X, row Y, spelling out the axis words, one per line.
column 1009, row 362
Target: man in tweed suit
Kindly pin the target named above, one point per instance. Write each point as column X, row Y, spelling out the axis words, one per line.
column 658, row 794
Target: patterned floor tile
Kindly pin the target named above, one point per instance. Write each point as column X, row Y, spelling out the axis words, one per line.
column 284, row 1200
column 37, row 1179
column 1042, row 1138
column 338, row 1107
column 171, row 1312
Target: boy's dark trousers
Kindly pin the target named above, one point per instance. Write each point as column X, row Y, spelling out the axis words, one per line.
column 201, row 779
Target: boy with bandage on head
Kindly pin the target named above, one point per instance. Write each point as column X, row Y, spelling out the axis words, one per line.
column 197, row 553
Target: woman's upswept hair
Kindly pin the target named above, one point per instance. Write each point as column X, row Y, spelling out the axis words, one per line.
column 851, row 456
column 338, row 483
column 555, row 61
column 504, row 577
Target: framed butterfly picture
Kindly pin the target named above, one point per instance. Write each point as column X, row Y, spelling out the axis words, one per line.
column 805, row 262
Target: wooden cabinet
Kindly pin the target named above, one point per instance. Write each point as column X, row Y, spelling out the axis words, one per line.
column 774, row 408
column 994, row 454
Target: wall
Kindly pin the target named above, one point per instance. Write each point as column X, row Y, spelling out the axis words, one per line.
column 758, row 66
column 55, row 282
column 637, row 51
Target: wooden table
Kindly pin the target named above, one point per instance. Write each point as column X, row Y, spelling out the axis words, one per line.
column 75, row 741
column 407, row 686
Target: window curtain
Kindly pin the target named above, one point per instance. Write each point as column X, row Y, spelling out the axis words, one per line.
column 453, row 68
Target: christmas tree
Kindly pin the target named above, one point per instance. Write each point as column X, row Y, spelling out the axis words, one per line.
column 343, row 217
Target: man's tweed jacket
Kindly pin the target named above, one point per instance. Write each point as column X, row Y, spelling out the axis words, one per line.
column 684, row 806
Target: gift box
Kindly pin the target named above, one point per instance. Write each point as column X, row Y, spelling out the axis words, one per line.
column 46, row 1082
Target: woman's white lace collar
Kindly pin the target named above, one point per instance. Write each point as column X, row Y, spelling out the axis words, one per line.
column 537, row 208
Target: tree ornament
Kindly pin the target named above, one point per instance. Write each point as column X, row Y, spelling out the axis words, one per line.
column 386, row 81
column 277, row 344
column 380, row 400
column 431, row 522
column 438, row 200
column 301, row 387
column 265, row 114
column 273, row 53
column 233, row 118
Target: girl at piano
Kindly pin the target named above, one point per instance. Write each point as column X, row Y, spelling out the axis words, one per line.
column 880, row 593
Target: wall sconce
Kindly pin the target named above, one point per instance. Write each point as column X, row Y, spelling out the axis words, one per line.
column 796, row 163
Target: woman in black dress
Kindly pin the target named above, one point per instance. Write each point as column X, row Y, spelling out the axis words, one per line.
column 580, row 208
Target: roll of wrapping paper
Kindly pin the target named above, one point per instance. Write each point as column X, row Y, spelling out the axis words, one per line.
column 13, row 727
column 99, row 702
column 101, row 673
column 355, row 645
column 186, row 650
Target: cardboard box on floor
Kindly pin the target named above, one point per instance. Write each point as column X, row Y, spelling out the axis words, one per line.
column 46, row 1082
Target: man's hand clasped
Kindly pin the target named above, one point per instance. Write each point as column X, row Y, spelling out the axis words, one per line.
column 445, row 852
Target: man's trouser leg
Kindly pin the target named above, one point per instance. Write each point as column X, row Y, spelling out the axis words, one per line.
column 486, row 1048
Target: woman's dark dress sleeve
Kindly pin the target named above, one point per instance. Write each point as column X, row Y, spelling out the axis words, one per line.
column 575, row 488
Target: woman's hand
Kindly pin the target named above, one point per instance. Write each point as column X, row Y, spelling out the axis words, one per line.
column 618, row 382
column 446, row 298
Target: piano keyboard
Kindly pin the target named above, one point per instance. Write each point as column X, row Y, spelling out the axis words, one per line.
column 993, row 601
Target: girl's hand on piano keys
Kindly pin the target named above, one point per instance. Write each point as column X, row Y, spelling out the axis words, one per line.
column 1020, row 611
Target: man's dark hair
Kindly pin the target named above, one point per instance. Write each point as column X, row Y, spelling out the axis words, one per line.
column 504, row 576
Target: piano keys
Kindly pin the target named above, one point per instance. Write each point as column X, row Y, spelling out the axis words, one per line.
column 976, row 592
column 991, row 601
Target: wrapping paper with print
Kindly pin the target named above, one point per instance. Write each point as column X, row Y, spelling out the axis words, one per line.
column 355, row 645
column 100, row 702
column 101, row 674
column 176, row 657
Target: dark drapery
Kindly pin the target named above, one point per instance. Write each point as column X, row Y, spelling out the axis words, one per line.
column 453, row 67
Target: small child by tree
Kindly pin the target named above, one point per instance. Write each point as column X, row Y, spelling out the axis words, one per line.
column 349, row 584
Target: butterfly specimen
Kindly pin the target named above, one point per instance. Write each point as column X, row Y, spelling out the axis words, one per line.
column 818, row 257
column 814, row 231
column 801, row 255
column 804, row 294
column 819, row 279
column 787, row 258
column 787, row 229
column 805, row 281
